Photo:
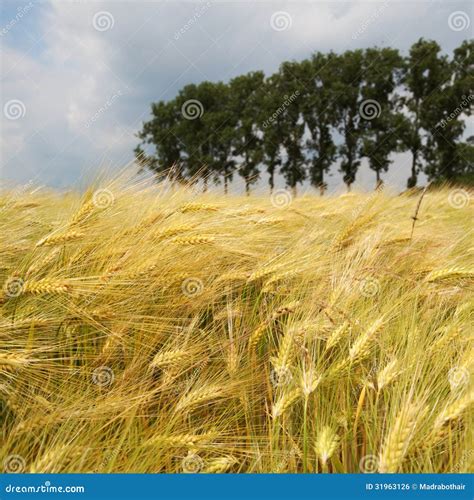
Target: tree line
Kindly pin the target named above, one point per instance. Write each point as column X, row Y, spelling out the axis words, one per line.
column 311, row 114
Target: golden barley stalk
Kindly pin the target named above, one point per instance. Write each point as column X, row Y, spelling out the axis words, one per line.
column 268, row 222
column 198, row 207
column 83, row 213
column 219, row 465
column 59, row 239
column 142, row 272
column 26, row 205
column 326, row 443
column 388, row 374
column 42, row 401
column 168, row 357
column 265, row 271
column 336, row 335
column 450, row 273
column 257, row 334
column 46, row 286
column 173, row 230
column 36, row 421
column 339, row 368
column 289, row 308
column 49, row 462
column 310, row 382
column 345, row 237
column 193, row 240
column 110, row 272
column 361, row 346
column 450, row 414
column 398, row 439
column 12, row 360
column 286, row 350
column 250, row 211
column 199, row 396
column 180, row 440
column 286, row 400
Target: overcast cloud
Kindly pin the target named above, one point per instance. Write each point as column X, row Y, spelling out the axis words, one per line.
column 78, row 77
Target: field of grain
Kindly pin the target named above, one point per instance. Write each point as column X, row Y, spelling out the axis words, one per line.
column 145, row 329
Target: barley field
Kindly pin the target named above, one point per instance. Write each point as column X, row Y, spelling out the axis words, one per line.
column 154, row 329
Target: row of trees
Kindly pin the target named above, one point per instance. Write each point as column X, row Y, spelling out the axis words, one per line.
column 331, row 108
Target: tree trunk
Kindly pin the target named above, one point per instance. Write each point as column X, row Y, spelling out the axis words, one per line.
column 247, row 186
column 413, row 179
column 271, row 181
column 322, row 187
column 378, row 181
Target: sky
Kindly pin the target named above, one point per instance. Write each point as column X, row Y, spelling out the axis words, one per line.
column 78, row 77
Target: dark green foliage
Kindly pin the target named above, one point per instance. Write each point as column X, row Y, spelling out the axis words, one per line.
column 382, row 75
column 246, row 94
column 311, row 114
column 317, row 108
